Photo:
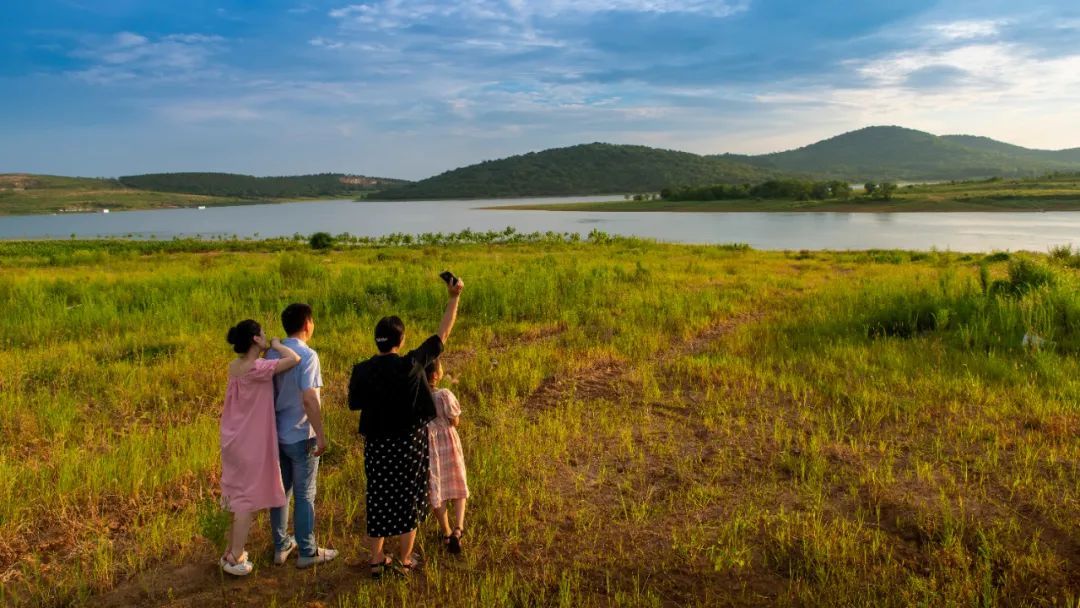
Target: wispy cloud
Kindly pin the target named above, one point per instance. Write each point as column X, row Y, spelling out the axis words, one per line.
column 209, row 111
column 967, row 29
column 128, row 55
column 400, row 13
column 478, row 79
column 1008, row 89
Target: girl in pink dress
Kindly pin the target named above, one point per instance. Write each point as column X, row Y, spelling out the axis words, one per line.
column 447, row 463
column 250, row 473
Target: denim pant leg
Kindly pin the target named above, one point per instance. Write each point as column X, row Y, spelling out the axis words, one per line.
column 305, row 472
column 279, row 516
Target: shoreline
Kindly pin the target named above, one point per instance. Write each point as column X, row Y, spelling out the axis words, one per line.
column 899, row 206
column 1032, row 205
column 194, row 206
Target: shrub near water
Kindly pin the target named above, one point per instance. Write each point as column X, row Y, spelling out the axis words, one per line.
column 987, row 314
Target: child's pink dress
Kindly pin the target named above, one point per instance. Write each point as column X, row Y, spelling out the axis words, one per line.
column 444, row 453
column 250, row 473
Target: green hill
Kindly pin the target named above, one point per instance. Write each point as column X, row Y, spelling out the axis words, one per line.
column 873, row 153
column 595, row 168
column 897, row 153
column 1069, row 157
column 22, row 193
column 869, row 154
column 247, row 186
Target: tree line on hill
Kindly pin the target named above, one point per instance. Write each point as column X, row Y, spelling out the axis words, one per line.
column 780, row 189
column 584, row 169
column 886, row 153
column 247, row 186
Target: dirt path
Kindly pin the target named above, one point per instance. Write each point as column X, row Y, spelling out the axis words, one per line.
column 669, row 421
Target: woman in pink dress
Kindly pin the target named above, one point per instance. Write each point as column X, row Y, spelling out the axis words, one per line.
column 250, row 473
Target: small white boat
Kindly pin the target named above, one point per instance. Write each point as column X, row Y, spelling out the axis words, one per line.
column 202, row 206
column 104, row 210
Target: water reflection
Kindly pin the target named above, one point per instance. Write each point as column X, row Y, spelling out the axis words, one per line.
column 954, row 231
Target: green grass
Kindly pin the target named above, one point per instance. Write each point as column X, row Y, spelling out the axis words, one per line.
column 644, row 424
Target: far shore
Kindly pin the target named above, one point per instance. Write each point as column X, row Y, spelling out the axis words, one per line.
column 898, row 205
column 194, row 202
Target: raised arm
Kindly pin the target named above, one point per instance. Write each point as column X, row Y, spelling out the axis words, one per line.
column 451, row 310
column 289, row 359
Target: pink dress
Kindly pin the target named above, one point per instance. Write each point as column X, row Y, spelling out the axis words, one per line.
column 447, row 478
column 250, row 473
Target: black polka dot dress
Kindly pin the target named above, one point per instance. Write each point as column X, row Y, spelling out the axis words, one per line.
column 396, row 467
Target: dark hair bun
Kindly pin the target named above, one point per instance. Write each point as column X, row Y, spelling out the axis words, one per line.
column 242, row 336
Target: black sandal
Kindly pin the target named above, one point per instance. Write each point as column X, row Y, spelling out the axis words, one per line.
column 377, row 569
column 453, row 542
column 404, row 570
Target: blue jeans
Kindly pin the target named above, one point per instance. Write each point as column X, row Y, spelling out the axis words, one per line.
column 298, row 472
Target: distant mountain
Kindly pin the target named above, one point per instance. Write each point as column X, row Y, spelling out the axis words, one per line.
column 870, row 154
column 897, row 153
column 595, row 168
column 247, row 186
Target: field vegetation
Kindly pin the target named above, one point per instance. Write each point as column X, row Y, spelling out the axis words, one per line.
column 644, row 424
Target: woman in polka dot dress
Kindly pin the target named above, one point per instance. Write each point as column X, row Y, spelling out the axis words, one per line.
column 395, row 402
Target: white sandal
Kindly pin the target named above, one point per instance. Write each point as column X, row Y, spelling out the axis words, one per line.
column 236, row 567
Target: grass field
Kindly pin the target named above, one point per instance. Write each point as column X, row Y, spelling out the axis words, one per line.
column 22, row 194
column 1043, row 194
column 644, row 424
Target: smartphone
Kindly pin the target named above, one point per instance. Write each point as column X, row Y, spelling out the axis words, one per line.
column 449, row 277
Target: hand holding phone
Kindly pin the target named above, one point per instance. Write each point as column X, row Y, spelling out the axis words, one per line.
column 454, row 285
column 449, row 277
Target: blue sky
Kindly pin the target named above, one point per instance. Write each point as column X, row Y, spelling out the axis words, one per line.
column 411, row 88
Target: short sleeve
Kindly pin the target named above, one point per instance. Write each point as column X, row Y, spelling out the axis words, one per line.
column 264, row 369
column 451, row 405
column 310, row 372
column 357, row 388
column 428, row 351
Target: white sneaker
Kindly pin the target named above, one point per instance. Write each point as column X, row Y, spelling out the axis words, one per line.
column 281, row 556
column 321, row 557
column 242, row 567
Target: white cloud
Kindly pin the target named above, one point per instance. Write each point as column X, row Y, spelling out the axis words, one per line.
column 702, row 7
column 128, row 39
column 1005, row 90
column 400, row 13
column 986, row 61
column 209, row 111
column 128, row 56
column 967, row 29
column 325, row 43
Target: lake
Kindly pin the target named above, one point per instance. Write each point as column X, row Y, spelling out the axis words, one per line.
column 953, row 231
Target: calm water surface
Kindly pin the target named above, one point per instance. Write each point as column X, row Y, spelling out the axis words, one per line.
column 954, row 231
